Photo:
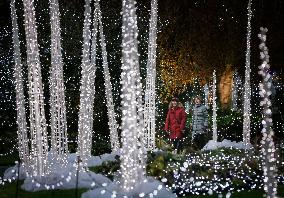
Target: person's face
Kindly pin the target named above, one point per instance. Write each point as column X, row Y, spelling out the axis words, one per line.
column 197, row 101
column 174, row 103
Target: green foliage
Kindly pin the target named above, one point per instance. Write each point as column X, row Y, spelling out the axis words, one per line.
column 108, row 168
column 100, row 146
column 230, row 125
column 158, row 165
column 9, row 160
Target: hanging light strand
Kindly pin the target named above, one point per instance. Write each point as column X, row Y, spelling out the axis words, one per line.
column 108, row 86
column 206, row 95
column 268, row 148
column 247, row 87
column 85, row 125
column 23, row 142
column 39, row 146
column 234, row 95
column 214, row 106
column 132, row 154
column 150, row 92
column 59, row 145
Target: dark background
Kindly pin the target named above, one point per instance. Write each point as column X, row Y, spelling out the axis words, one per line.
column 211, row 33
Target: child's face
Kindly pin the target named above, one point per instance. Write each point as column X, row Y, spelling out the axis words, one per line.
column 197, row 101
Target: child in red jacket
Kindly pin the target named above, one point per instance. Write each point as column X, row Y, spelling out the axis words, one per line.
column 175, row 122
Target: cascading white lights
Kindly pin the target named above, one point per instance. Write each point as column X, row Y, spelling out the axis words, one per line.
column 132, row 154
column 85, row 125
column 58, row 123
column 268, row 148
column 87, row 84
column 39, row 144
column 214, row 106
column 247, row 90
column 234, row 95
column 23, row 141
column 150, row 92
column 108, row 86
column 206, row 96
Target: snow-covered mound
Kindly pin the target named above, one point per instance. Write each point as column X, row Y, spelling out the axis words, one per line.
column 98, row 160
column 212, row 145
column 62, row 181
column 63, row 176
column 148, row 188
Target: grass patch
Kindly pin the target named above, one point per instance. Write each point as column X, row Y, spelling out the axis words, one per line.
column 9, row 160
column 9, row 190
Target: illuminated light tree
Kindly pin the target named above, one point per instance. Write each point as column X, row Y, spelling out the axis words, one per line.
column 108, row 87
column 150, row 92
column 235, row 88
column 206, row 95
column 132, row 154
column 23, row 142
column 214, row 106
column 58, row 123
column 85, row 125
column 87, row 84
column 247, row 87
column 39, row 145
column 268, row 148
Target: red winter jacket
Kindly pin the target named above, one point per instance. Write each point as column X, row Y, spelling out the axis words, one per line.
column 175, row 122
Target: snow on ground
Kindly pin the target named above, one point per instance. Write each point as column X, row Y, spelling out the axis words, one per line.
column 61, row 180
column 212, row 145
column 63, row 176
column 148, row 188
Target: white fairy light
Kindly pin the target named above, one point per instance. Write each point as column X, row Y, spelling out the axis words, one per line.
column 58, row 123
column 23, row 141
column 39, row 146
column 85, row 125
column 268, row 148
column 247, row 91
column 150, row 92
column 132, row 157
column 206, row 95
column 108, row 86
column 214, row 106
column 235, row 88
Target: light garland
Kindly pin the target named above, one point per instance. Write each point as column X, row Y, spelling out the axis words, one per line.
column 150, row 92
column 23, row 141
column 214, row 106
column 247, row 91
column 58, row 123
column 108, row 86
column 268, row 148
column 39, row 145
column 132, row 154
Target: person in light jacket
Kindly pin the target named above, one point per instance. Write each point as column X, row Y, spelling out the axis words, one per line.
column 199, row 123
column 175, row 123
